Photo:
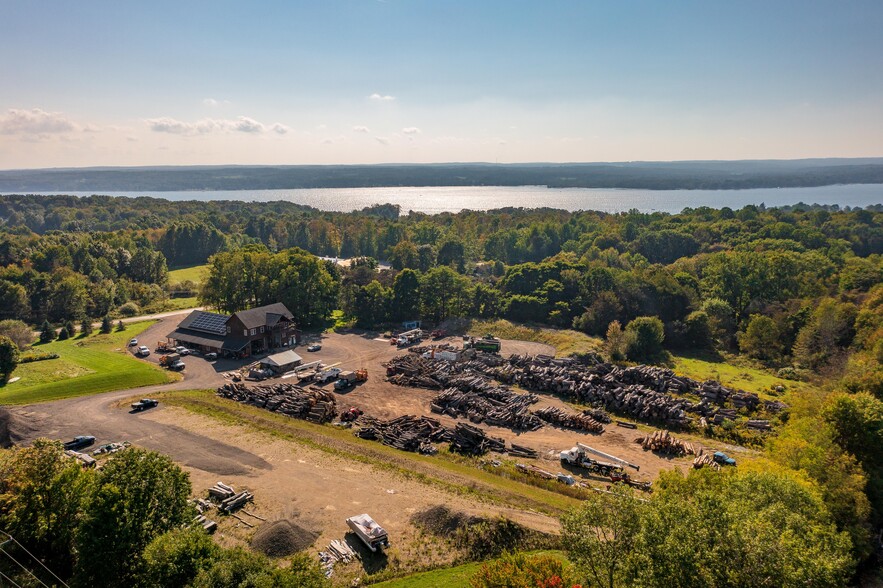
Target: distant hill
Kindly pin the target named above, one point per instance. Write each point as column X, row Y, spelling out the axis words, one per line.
column 723, row 175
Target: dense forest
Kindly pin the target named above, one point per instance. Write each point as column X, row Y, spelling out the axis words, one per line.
column 680, row 175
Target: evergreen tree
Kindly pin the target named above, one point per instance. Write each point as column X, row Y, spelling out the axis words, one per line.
column 121, row 326
column 63, row 333
column 71, row 329
column 47, row 333
column 86, row 327
column 106, row 325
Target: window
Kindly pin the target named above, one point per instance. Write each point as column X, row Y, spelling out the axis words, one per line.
column 253, row 331
column 262, row 329
column 245, row 332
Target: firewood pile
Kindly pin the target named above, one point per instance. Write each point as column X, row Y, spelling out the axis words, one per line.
column 408, row 433
column 569, row 420
column 471, row 440
column 665, row 443
column 312, row 404
column 493, row 405
column 705, row 459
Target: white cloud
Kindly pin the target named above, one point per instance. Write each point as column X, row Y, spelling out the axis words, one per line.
column 382, row 140
column 381, row 97
column 411, row 131
column 361, row 129
column 213, row 102
column 242, row 124
column 35, row 122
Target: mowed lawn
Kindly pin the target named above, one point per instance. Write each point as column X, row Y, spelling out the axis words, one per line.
column 97, row 363
column 195, row 274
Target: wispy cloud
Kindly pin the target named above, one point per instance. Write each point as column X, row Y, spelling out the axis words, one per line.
column 411, row 131
column 382, row 140
column 18, row 121
column 381, row 97
column 361, row 129
column 213, row 102
column 242, row 124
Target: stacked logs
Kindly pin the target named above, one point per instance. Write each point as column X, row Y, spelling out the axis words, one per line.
column 470, row 440
column 495, row 406
column 569, row 420
column 705, row 459
column 665, row 443
column 313, row 404
column 408, row 433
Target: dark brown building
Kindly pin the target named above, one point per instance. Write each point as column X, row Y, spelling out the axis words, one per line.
column 245, row 333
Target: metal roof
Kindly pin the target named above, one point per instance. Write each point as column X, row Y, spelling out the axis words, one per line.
column 197, row 338
column 262, row 315
column 282, row 359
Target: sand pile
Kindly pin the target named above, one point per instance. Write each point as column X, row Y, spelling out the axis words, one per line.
column 281, row 538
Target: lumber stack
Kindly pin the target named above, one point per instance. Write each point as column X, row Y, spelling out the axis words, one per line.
column 337, row 551
column 313, row 404
column 703, row 459
column 569, row 420
column 665, row 443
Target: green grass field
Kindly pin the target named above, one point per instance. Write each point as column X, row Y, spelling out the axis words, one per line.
column 98, row 363
column 195, row 274
column 453, row 577
column 565, row 341
column 740, row 376
column 181, row 303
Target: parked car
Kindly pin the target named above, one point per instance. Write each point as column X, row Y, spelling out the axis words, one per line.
column 182, row 350
column 79, row 442
column 144, row 404
column 133, row 342
column 211, row 356
column 143, row 351
column 314, row 347
column 178, row 366
column 723, row 459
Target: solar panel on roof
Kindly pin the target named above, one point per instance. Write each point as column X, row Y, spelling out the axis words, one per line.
column 209, row 321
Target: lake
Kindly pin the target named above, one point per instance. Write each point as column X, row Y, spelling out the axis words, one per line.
column 437, row 199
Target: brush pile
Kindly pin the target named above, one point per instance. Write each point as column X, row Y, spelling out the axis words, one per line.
column 312, row 404
column 665, row 443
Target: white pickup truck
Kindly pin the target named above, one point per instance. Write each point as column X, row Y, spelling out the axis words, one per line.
column 367, row 529
column 327, row 375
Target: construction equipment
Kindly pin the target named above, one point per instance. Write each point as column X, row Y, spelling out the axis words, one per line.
column 488, row 344
column 164, row 347
column 585, row 450
column 372, row 535
column 345, row 380
column 362, row 375
column 578, row 457
column 439, row 334
column 327, row 375
column 168, row 360
column 625, row 478
column 351, row 414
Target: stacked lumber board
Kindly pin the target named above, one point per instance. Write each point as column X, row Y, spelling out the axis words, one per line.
column 569, row 420
column 337, row 551
column 665, row 443
column 312, row 404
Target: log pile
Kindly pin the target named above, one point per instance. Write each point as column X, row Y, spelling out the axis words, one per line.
column 221, row 491
column 408, row 433
column 705, row 459
column 522, row 451
column 471, row 440
column 235, row 502
column 312, row 404
column 759, row 425
column 569, row 420
column 665, row 443
column 495, row 406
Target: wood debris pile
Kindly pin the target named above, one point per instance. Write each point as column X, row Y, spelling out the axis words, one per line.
column 569, row 420
column 236, row 501
column 312, row 404
column 337, row 551
column 408, row 433
column 665, row 443
column 471, row 440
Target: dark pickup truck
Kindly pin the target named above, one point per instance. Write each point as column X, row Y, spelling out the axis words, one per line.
column 144, row 404
column 79, row 442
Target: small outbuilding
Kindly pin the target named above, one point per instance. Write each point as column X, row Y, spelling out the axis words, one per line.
column 281, row 362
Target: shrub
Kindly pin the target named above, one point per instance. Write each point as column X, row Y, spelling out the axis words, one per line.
column 130, row 309
column 19, row 331
column 47, row 333
column 646, row 335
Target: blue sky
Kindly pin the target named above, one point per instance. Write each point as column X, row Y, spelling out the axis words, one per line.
column 369, row 81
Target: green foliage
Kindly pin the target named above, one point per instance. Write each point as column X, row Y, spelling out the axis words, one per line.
column 176, row 557
column 86, row 327
column 20, row 333
column 41, row 497
column 519, row 570
column 645, row 336
column 617, row 342
column 9, row 357
column 47, row 333
column 121, row 326
column 761, row 338
column 138, row 495
column 129, row 309
column 245, row 569
column 826, row 336
column 106, row 325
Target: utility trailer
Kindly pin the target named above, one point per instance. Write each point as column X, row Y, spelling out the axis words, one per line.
column 372, row 535
column 488, row 344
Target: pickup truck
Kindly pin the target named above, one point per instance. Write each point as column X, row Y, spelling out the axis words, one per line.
column 144, row 404
column 79, row 442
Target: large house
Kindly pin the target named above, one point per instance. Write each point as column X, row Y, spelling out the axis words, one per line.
column 242, row 334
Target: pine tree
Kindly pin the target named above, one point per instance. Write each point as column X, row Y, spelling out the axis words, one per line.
column 121, row 326
column 106, row 325
column 63, row 333
column 71, row 329
column 47, row 333
column 86, row 327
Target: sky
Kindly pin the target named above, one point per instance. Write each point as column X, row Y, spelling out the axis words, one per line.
column 124, row 83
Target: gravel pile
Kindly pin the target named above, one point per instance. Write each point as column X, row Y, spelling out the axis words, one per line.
column 441, row 520
column 281, row 538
